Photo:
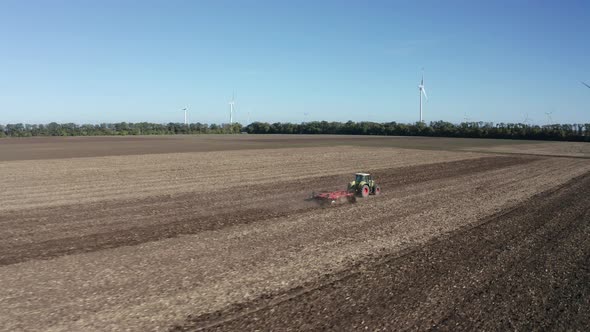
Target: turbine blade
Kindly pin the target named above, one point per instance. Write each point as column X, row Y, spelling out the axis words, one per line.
column 424, row 92
column 422, row 81
column 586, row 85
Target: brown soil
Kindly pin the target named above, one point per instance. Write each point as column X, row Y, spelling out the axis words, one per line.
column 226, row 240
column 571, row 149
column 195, row 212
column 522, row 269
column 33, row 185
column 38, row 148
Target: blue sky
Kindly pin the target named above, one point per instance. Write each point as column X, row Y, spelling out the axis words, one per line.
column 108, row 61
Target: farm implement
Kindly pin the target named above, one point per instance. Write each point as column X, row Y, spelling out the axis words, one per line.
column 332, row 197
column 362, row 186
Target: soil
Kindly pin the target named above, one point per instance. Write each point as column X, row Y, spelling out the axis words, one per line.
column 523, row 269
column 169, row 217
column 39, row 148
column 224, row 239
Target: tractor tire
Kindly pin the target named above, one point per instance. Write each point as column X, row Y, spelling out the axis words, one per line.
column 365, row 191
column 377, row 191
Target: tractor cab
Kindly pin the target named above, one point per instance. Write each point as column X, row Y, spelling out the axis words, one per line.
column 364, row 185
column 362, row 177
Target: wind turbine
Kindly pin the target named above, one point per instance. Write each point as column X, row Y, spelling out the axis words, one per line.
column 305, row 117
column 526, row 119
column 466, row 118
column 422, row 90
column 588, row 86
column 549, row 119
column 231, row 109
column 185, row 115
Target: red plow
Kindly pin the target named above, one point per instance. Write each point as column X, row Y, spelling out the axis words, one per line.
column 333, row 197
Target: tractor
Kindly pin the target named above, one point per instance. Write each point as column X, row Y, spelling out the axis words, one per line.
column 364, row 185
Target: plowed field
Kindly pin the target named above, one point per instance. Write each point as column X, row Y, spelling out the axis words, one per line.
column 221, row 237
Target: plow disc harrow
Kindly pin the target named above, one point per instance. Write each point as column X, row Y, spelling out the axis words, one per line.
column 333, row 197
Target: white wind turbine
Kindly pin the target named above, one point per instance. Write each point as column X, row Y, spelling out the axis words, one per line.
column 231, row 109
column 185, row 115
column 422, row 90
column 549, row 119
column 526, row 120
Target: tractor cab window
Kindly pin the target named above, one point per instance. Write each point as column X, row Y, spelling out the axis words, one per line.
column 359, row 178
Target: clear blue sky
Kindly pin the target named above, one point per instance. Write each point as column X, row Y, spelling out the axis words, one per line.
column 108, row 61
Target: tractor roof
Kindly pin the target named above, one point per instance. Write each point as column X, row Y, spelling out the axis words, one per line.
column 363, row 174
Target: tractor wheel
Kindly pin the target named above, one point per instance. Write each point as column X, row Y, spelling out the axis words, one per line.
column 365, row 191
column 377, row 191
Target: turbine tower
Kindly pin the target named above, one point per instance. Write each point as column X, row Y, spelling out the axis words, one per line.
column 185, row 115
column 526, row 120
column 549, row 118
column 231, row 109
column 422, row 90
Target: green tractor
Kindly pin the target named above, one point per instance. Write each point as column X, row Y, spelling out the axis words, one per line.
column 364, row 185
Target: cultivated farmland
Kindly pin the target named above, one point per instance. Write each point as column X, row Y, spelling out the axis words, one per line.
column 215, row 233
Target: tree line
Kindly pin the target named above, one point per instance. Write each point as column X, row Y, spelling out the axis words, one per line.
column 560, row 132
column 121, row 129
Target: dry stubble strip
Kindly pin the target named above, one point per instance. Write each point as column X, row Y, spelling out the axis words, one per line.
column 524, row 269
column 67, row 181
column 191, row 224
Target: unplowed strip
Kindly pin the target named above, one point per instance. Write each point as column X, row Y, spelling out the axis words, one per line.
column 523, row 269
column 62, row 182
column 93, row 227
